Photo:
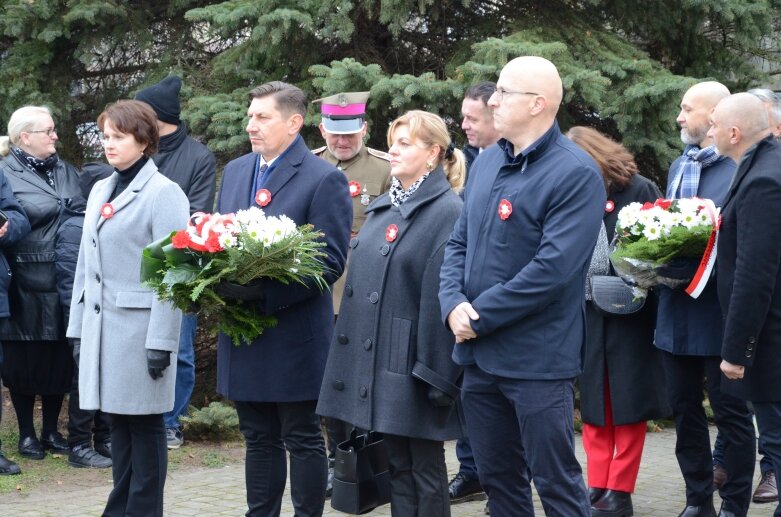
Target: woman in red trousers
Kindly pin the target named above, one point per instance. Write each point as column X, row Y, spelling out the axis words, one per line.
column 622, row 384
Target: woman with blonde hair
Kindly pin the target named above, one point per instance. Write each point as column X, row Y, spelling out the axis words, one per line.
column 622, row 384
column 37, row 358
column 389, row 368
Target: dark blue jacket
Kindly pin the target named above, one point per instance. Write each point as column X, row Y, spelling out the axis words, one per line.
column 18, row 227
column 525, row 275
column 684, row 325
column 286, row 362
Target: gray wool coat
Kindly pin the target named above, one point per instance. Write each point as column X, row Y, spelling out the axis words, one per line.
column 390, row 345
column 115, row 316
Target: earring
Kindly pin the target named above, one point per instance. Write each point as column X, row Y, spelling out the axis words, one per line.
column 429, row 165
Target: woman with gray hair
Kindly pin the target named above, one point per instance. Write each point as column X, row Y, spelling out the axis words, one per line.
column 37, row 358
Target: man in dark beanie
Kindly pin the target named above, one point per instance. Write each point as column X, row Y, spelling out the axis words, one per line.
column 192, row 166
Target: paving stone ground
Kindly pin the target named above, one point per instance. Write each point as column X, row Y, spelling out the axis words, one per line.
column 215, row 492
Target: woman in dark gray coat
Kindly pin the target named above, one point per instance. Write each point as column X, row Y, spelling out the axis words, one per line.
column 622, row 384
column 389, row 367
column 37, row 358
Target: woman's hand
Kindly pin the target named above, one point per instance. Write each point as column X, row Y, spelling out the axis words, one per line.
column 157, row 361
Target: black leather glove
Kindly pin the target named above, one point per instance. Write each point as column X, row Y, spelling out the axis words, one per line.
column 251, row 292
column 75, row 344
column 439, row 398
column 157, row 361
column 679, row 269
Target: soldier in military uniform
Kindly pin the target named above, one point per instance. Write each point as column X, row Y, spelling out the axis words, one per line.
column 343, row 128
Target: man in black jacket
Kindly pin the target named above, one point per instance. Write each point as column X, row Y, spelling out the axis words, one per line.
column 749, row 272
column 193, row 167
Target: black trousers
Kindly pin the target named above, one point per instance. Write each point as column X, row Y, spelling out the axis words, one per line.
column 418, row 477
column 140, row 461
column 685, row 374
column 83, row 424
column 269, row 430
column 521, row 428
column 769, row 423
column 338, row 432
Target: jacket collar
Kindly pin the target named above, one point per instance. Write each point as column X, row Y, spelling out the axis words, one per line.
column 130, row 193
column 173, row 140
column 435, row 185
column 287, row 165
column 746, row 161
column 533, row 152
column 25, row 173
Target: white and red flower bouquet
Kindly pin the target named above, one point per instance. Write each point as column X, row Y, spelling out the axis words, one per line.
column 188, row 267
column 668, row 242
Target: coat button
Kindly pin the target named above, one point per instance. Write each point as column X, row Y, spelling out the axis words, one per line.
column 354, row 242
column 385, row 249
column 342, row 339
column 97, row 278
column 338, row 385
column 748, row 354
column 97, row 309
column 367, row 345
column 94, row 244
column 348, row 290
column 363, row 392
column 749, row 348
column 374, row 297
column 752, row 340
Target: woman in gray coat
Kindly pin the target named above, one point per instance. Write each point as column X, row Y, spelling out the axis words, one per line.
column 127, row 335
column 389, row 367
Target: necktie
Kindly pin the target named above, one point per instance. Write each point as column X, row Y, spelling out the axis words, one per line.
column 262, row 176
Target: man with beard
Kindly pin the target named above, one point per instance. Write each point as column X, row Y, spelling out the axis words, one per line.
column 688, row 333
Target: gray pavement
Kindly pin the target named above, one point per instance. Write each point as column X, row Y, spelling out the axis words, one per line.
column 220, row 491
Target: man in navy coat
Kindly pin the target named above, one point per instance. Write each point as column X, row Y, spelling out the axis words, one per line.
column 511, row 292
column 275, row 381
column 691, row 341
column 749, row 270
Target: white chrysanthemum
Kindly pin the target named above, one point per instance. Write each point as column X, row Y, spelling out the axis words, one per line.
column 627, row 216
column 689, row 220
column 228, row 240
column 250, row 215
column 652, row 231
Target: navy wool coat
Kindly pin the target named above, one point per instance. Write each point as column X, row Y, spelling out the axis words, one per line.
column 389, row 345
column 524, row 275
column 749, row 274
column 18, row 227
column 286, row 362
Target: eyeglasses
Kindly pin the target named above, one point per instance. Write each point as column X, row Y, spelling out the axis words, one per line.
column 500, row 93
column 49, row 132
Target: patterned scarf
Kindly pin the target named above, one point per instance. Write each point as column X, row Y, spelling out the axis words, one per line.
column 600, row 260
column 45, row 168
column 687, row 177
column 397, row 193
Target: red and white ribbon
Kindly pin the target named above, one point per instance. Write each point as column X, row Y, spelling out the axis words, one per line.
column 702, row 275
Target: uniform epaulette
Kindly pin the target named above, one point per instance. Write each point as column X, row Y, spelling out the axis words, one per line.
column 379, row 154
column 319, row 149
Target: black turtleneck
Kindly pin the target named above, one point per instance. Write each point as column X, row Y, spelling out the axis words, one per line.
column 126, row 176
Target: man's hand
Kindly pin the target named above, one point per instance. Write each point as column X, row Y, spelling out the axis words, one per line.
column 4, row 229
column 460, row 320
column 732, row 371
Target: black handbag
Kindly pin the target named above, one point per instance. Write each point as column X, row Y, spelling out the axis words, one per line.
column 612, row 296
column 361, row 474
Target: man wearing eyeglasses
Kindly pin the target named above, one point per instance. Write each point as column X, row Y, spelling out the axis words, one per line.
column 511, row 292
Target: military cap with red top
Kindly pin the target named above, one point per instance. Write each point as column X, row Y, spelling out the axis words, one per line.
column 344, row 113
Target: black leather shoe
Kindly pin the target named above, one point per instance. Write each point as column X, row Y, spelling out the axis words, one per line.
column 31, row 448
column 104, row 448
column 727, row 513
column 329, row 486
column 8, row 467
column 705, row 510
column 594, row 494
column 56, row 443
column 84, row 456
column 613, row 503
column 464, row 488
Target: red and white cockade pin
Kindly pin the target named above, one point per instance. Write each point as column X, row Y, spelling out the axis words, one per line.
column 391, row 233
column 505, row 209
column 107, row 211
column 355, row 188
column 610, row 205
column 263, row 197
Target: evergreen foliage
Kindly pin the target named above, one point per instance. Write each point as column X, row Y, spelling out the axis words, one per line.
column 625, row 64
